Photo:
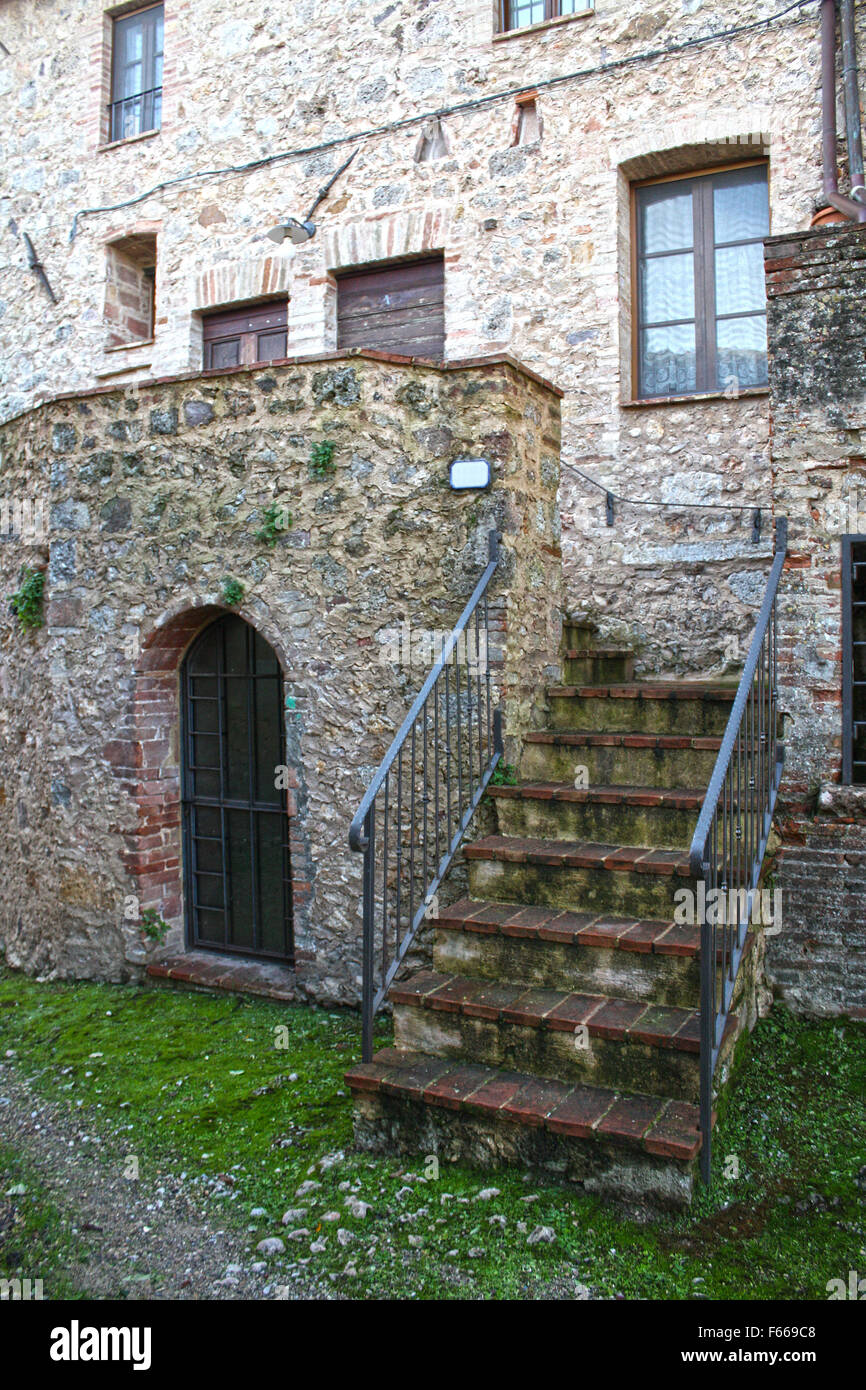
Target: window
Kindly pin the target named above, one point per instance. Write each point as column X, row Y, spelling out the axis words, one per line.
column 246, row 334
column 854, row 660
column 136, row 74
column 397, row 308
column 701, row 303
column 519, row 14
column 130, row 279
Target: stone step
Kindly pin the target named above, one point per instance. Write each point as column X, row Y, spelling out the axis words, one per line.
column 637, row 815
column 596, row 953
column 613, row 1142
column 579, row 634
column 557, row 1034
column 660, row 707
column 597, row 665
column 627, row 880
column 618, row 759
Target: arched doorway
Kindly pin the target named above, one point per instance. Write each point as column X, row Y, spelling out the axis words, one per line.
column 237, row 869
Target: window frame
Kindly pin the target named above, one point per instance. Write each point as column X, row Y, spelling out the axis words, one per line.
column 552, row 11
column 149, row 58
column 231, row 314
column 706, row 383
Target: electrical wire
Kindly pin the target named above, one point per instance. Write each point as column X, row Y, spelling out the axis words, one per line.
column 581, row 74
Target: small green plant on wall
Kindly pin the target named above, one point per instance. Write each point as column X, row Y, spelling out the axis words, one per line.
column 322, row 459
column 27, row 604
column 504, row 775
column 233, row 592
column 276, row 519
column 153, row 926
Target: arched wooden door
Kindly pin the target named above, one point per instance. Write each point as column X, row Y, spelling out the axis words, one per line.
column 236, row 843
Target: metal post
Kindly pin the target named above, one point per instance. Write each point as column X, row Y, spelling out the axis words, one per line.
column 369, row 903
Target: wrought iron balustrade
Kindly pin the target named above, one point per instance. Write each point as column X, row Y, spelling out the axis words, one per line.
column 422, row 797
column 730, row 840
column 136, row 114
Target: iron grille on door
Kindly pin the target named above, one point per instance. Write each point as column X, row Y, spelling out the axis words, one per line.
column 854, row 660
column 236, row 846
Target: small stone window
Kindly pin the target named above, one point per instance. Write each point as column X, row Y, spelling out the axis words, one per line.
column 433, row 142
column 526, row 126
column 130, row 281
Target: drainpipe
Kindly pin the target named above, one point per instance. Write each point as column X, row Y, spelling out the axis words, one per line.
column 851, row 88
column 854, row 210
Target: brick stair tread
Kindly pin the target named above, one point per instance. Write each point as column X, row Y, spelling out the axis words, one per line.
column 649, row 690
column 654, row 1124
column 551, row 924
column 578, row 854
column 674, row 798
column 617, row 1020
column 577, row 738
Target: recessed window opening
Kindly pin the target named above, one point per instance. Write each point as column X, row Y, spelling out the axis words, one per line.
column 700, row 296
column 246, row 334
column 433, row 142
column 130, row 298
column 526, row 127
column 136, row 73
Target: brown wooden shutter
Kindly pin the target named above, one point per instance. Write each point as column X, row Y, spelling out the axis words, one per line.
column 245, row 334
column 395, row 308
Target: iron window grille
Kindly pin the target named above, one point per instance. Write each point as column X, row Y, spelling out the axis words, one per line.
column 854, row 660
column 520, row 14
column 700, row 310
column 136, row 74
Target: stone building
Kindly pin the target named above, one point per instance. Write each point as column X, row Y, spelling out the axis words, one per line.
column 525, row 230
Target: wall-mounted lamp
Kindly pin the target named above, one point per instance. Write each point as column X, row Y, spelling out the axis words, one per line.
column 470, row 473
column 298, row 232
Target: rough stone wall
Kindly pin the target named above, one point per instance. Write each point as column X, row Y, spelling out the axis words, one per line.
column 153, row 496
column 816, row 284
column 536, row 236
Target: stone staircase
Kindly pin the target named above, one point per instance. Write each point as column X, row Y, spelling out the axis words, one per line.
column 558, row 1028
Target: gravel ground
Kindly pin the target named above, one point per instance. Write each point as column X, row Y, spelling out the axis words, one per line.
column 146, row 1239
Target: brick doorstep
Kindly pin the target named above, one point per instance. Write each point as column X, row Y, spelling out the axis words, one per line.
column 658, row 1126
column 210, row 970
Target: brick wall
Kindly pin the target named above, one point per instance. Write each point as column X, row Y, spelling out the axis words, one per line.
column 816, row 285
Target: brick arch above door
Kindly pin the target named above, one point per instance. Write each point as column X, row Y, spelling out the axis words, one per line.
column 388, row 236
column 234, row 282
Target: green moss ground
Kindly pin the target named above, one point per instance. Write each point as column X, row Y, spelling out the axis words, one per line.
column 195, row 1083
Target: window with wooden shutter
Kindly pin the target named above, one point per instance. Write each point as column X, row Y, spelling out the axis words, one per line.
column 136, row 73
column 246, row 334
column 397, row 308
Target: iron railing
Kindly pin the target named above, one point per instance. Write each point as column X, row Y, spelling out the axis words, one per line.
column 418, row 805
column 134, row 115
column 730, row 841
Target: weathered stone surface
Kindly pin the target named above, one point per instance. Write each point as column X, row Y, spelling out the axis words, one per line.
column 89, row 732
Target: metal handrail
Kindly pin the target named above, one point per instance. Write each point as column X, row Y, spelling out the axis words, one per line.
column 435, row 831
column 733, row 829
